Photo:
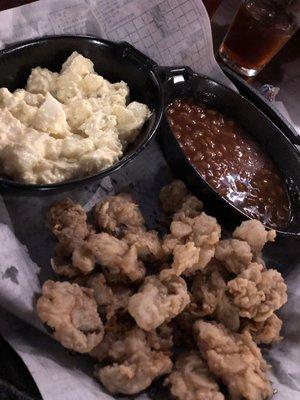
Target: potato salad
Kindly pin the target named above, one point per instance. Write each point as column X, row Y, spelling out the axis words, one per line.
column 66, row 125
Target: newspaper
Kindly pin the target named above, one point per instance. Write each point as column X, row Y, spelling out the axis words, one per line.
column 172, row 32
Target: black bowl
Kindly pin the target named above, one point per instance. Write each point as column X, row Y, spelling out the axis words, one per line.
column 114, row 61
column 184, row 83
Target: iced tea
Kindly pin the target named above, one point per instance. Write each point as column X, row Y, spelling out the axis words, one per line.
column 259, row 30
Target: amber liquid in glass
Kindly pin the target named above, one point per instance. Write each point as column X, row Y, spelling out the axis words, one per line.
column 257, row 33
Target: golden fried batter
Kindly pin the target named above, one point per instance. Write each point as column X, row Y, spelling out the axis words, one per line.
column 189, row 297
column 210, row 293
column 235, row 254
column 161, row 338
column 82, row 260
column 62, row 264
column 258, row 292
column 235, row 359
column 118, row 212
column 136, row 364
column 172, row 196
column 71, row 312
column 111, row 348
column 111, row 299
column 67, row 221
column 158, row 301
column 120, row 260
column 255, row 234
column 192, row 242
column 191, row 208
column 135, row 374
column 191, row 379
column 147, row 243
column 266, row 332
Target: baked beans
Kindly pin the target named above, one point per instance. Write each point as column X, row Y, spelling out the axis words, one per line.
column 230, row 161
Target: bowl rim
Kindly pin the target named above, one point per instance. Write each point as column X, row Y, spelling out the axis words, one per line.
column 153, row 71
column 168, row 99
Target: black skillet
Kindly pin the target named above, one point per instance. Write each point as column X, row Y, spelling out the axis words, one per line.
column 182, row 82
column 114, row 61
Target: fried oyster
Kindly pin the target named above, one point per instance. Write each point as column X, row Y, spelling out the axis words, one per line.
column 190, row 306
column 112, row 299
column 120, row 261
column 67, row 222
column 266, row 332
column 192, row 243
column 235, row 359
column 257, row 292
column 71, row 311
column 115, row 213
column 191, row 379
column 135, row 364
column 158, row 301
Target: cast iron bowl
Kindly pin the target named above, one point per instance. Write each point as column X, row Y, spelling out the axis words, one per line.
column 114, row 61
column 181, row 83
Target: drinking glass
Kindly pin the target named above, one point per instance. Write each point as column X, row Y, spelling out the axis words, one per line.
column 211, row 6
column 259, row 30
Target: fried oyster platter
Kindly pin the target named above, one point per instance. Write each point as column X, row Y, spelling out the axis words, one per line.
column 189, row 307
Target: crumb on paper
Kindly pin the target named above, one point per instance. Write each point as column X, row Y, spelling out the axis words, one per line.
column 12, row 274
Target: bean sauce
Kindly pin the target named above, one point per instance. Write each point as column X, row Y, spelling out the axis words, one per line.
column 230, row 161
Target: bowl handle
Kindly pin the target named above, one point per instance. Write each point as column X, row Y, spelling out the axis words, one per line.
column 177, row 74
column 128, row 50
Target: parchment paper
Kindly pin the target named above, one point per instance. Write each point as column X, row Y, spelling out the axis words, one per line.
column 172, row 32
